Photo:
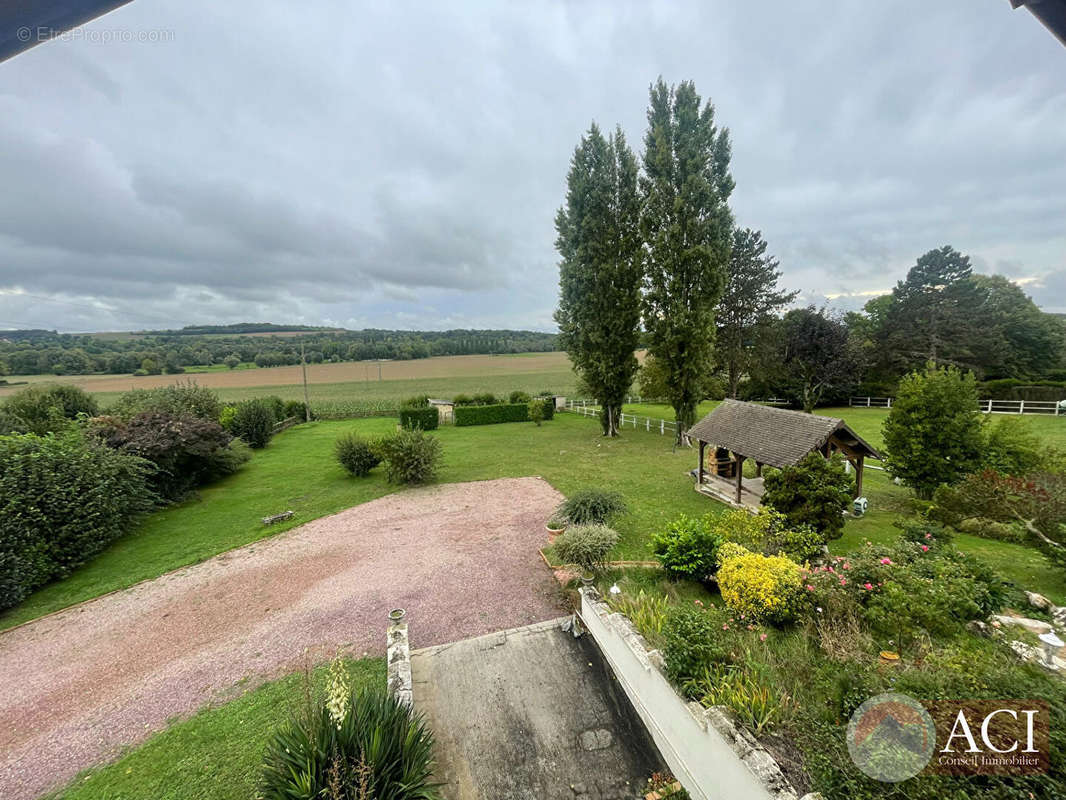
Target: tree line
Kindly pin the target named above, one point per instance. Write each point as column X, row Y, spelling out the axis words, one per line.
column 48, row 352
column 650, row 255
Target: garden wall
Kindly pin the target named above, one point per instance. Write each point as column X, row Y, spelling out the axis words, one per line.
column 713, row 759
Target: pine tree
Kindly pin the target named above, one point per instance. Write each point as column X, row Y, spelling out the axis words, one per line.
column 750, row 299
column 687, row 229
column 600, row 271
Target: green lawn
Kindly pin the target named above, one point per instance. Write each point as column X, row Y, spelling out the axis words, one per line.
column 214, row 755
column 297, row 471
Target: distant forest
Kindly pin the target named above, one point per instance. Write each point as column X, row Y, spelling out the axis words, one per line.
column 42, row 352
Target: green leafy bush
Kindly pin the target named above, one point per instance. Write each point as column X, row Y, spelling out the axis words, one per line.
column 688, row 548
column 355, row 747
column 813, row 493
column 591, row 506
column 296, row 408
column 177, row 400
column 587, row 546
column 253, row 421
column 536, row 411
column 417, row 401
column 934, row 433
column 425, row 418
column 693, row 639
column 491, row 414
column 518, row 396
column 760, row 588
column 276, row 406
column 46, row 409
column 356, row 454
column 410, row 456
column 1012, row 448
column 63, row 499
column 769, row 532
column 187, row 451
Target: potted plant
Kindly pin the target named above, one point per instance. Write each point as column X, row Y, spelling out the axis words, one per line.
column 586, row 547
column 555, row 525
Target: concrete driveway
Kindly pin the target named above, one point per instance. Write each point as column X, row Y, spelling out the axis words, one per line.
column 77, row 686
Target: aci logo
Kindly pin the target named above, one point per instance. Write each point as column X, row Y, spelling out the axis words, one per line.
column 891, row 737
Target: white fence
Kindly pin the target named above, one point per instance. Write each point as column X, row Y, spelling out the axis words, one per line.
column 661, row 426
column 1052, row 407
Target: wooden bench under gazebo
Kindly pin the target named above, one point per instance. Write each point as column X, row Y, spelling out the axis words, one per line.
column 738, row 431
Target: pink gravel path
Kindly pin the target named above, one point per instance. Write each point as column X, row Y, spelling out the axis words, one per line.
column 77, row 686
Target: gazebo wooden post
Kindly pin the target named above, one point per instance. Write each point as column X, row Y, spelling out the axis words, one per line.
column 740, row 474
column 758, row 469
column 859, row 459
column 699, row 474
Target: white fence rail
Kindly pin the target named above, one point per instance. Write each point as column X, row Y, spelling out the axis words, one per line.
column 661, row 426
column 1051, row 407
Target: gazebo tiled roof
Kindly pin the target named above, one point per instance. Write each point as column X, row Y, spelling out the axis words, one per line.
column 774, row 436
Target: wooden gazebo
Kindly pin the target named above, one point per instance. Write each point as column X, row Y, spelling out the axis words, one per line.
column 738, row 431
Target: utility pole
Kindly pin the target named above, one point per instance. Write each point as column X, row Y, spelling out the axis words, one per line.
column 307, row 401
column 379, row 369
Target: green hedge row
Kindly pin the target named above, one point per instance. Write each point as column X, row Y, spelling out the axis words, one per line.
column 501, row 412
column 425, row 418
column 1014, row 389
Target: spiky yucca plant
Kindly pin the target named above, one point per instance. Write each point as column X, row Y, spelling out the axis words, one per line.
column 380, row 750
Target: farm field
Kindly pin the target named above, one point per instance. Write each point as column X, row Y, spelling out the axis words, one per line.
column 569, row 452
column 351, row 380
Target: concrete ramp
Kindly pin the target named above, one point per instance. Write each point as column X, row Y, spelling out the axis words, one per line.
column 531, row 714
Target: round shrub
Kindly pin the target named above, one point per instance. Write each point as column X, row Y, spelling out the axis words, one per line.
column 731, row 550
column 536, row 411
column 815, row 493
column 592, row 507
column 687, row 548
column 187, row 451
column 518, row 397
column 45, row 409
column 587, row 546
column 379, row 748
column 411, row 456
column 179, row 400
column 63, row 499
column 253, row 421
column 356, row 454
column 296, row 408
column 762, row 588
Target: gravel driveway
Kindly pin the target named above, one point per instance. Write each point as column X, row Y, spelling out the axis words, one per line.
column 77, row 686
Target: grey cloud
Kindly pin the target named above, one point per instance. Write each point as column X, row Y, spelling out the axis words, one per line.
column 391, row 165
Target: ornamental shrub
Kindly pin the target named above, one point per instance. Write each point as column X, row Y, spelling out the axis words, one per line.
column 1012, row 448
column 814, row 493
column 934, row 433
column 351, row 745
column 296, row 408
column 518, row 397
column 178, row 400
column 253, row 421
column 587, row 546
column 768, row 532
column 410, row 456
column 688, row 548
column 693, row 639
column 761, row 588
column 536, row 412
column 356, row 454
column 425, row 417
column 592, row 507
column 46, row 409
column 187, row 451
column 63, row 499
column 417, row 401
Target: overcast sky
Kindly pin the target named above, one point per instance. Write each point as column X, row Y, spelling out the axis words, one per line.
column 399, row 164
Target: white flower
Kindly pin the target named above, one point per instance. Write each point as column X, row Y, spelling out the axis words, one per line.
column 819, row 609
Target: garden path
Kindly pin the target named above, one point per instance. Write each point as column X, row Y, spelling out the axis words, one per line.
column 79, row 685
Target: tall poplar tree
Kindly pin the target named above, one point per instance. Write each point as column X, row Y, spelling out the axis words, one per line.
column 601, row 268
column 687, row 229
column 751, row 299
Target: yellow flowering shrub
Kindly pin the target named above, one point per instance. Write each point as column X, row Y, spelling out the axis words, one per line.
column 730, row 550
column 760, row 588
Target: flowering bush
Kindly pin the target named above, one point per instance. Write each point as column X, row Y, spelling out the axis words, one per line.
column 760, row 587
column 688, row 547
column 769, row 532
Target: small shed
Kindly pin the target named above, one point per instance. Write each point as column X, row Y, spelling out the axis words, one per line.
column 737, row 431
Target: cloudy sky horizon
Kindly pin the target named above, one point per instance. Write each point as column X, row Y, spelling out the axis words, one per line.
column 399, row 165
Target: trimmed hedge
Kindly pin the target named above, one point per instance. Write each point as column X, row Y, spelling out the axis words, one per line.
column 549, row 408
column 425, row 418
column 491, row 415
